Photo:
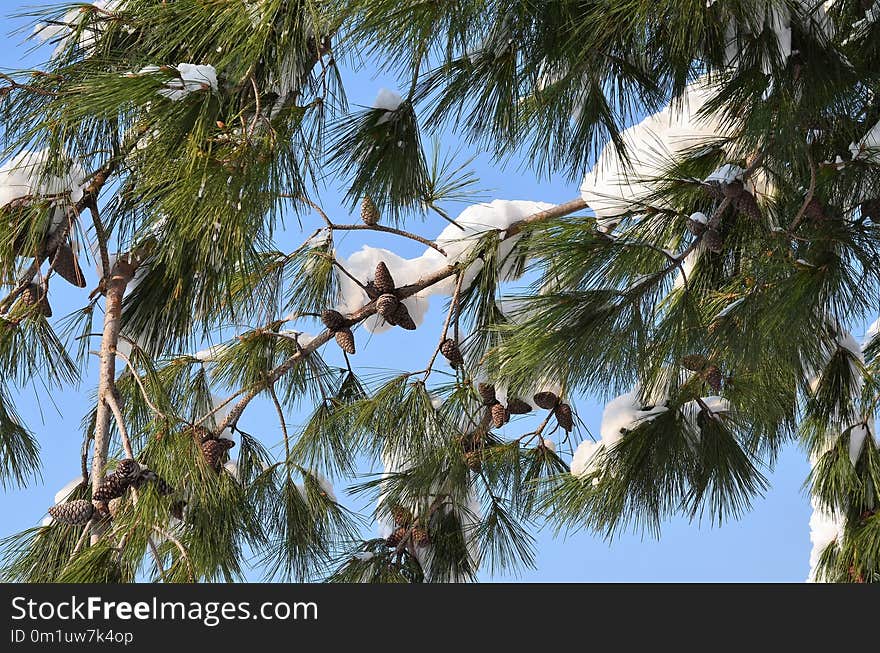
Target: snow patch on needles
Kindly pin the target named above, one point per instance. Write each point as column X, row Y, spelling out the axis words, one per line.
column 625, row 413
column 475, row 221
column 64, row 33
column 192, row 78
column 615, row 183
column 388, row 100
column 27, row 175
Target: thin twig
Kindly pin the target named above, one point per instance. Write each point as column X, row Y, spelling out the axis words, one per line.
column 453, row 304
column 388, row 230
column 82, row 538
column 809, row 198
column 175, row 542
column 157, row 558
column 137, row 378
column 120, row 422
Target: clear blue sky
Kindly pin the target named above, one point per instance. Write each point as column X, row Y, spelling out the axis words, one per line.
column 769, row 544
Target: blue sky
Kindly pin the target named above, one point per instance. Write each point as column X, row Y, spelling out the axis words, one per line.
column 771, row 543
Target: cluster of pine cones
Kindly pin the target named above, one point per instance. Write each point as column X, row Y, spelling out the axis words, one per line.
column 708, row 371
column 109, row 497
column 547, row 400
column 404, row 524
column 213, row 449
column 381, row 290
column 62, row 258
column 742, row 201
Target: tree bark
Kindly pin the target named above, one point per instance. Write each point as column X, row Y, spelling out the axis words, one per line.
column 118, row 280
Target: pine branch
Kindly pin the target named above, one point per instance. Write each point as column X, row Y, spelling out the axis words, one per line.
column 369, row 309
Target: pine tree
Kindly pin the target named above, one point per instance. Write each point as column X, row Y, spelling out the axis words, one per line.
column 709, row 272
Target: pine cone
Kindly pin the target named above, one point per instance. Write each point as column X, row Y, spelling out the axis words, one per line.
column 65, row 264
column 333, row 320
column 474, row 460
column 694, row 362
column 564, row 417
column 127, row 468
column 449, row 349
column 714, row 241
column 396, row 537
column 733, row 190
column 401, row 516
column 387, row 305
column 403, row 319
column 487, row 393
column 200, row 433
column 713, row 378
column 114, row 506
column 112, row 487
column 420, row 536
column 518, row 407
column 748, row 206
column 546, row 400
column 33, row 295
column 372, row 293
column 383, row 281
column 500, row 416
column 345, row 340
column 215, row 452
column 369, row 213
column 161, row 485
column 73, row 512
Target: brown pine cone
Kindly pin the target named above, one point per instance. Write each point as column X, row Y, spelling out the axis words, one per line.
column 813, row 211
column 333, row 320
column 383, row 281
column 564, row 417
column 487, row 393
column 713, row 377
column 112, row 487
column 474, row 460
column 402, row 318
column 369, row 213
column 200, row 433
column 449, row 349
column 345, row 340
column 73, row 512
column 396, row 537
column 65, row 264
column 546, row 400
column 386, row 305
column 127, row 468
column 696, row 228
column 401, row 516
column 177, row 509
column 694, row 362
column 215, row 452
column 420, row 536
column 714, row 241
column 115, row 506
column 500, row 416
column 518, row 406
